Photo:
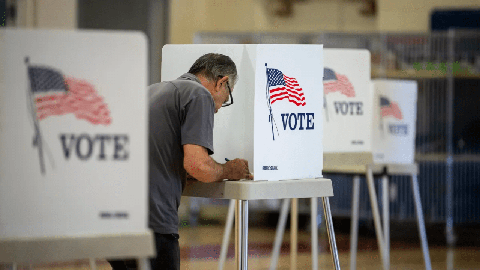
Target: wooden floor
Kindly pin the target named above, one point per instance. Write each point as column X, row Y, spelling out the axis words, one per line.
column 200, row 249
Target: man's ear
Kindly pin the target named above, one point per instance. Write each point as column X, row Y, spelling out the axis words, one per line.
column 222, row 80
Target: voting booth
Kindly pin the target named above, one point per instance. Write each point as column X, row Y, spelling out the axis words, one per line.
column 365, row 121
column 348, row 103
column 73, row 138
column 394, row 121
column 369, row 127
column 275, row 122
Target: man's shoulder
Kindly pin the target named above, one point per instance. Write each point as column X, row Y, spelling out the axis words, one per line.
column 180, row 83
column 184, row 89
column 190, row 89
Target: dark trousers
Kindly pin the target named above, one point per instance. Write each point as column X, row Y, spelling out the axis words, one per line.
column 168, row 255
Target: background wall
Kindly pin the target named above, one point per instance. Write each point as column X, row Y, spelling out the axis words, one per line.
column 176, row 21
column 413, row 15
column 191, row 16
column 51, row 14
column 150, row 17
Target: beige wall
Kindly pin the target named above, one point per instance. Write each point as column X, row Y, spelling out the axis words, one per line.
column 413, row 15
column 51, row 14
column 191, row 16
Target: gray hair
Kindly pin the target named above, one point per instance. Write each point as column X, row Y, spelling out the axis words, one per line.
column 215, row 65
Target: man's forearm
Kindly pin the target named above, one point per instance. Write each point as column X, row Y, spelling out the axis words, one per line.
column 206, row 170
column 213, row 171
column 202, row 167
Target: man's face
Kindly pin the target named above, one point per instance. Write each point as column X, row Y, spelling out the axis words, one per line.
column 222, row 93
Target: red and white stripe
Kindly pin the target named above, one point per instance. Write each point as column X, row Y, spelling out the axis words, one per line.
column 341, row 85
column 392, row 110
column 81, row 99
column 292, row 91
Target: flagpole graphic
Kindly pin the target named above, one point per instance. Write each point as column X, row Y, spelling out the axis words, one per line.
column 270, row 117
column 333, row 82
column 280, row 87
column 325, row 106
column 388, row 108
column 326, row 76
column 37, row 137
column 53, row 94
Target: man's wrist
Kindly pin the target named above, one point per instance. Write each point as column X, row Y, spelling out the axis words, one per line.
column 224, row 171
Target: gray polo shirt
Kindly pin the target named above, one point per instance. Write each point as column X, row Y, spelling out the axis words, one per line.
column 180, row 112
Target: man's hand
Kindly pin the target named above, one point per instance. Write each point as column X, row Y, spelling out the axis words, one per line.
column 237, row 169
column 202, row 167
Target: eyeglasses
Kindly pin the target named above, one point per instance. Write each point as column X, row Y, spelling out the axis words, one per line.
column 230, row 102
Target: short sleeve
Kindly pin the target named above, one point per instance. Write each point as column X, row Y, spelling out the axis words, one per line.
column 197, row 127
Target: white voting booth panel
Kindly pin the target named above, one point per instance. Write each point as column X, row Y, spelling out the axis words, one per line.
column 369, row 127
column 275, row 122
column 394, row 121
column 348, row 101
column 374, row 120
column 72, row 133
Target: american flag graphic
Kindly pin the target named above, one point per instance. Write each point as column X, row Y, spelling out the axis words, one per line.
column 388, row 108
column 55, row 94
column 333, row 82
column 281, row 87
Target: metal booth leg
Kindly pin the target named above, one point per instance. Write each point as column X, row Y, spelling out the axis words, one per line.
column 421, row 222
column 376, row 216
column 143, row 263
column 386, row 217
column 450, row 258
column 354, row 222
column 279, row 233
column 314, row 227
column 93, row 264
column 241, row 234
column 293, row 234
column 330, row 231
column 226, row 234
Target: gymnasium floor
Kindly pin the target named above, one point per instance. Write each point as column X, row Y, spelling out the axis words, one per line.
column 200, row 248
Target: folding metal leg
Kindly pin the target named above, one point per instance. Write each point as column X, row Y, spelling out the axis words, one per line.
column 354, row 222
column 376, row 216
column 331, row 232
column 281, row 229
column 241, row 234
column 314, row 242
column 143, row 264
column 226, row 234
column 421, row 222
column 293, row 234
column 450, row 258
column 386, row 217
column 93, row 264
column 279, row 233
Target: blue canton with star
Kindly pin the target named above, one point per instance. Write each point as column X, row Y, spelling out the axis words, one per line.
column 275, row 77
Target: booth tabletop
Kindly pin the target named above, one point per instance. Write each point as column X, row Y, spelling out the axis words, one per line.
column 392, row 169
column 259, row 190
